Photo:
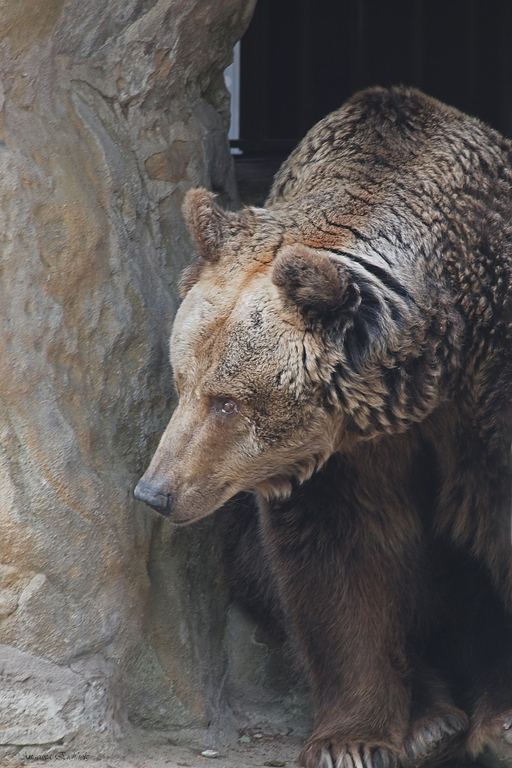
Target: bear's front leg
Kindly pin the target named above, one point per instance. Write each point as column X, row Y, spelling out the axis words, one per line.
column 346, row 552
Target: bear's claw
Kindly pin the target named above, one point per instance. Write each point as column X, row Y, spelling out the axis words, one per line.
column 328, row 753
column 507, row 723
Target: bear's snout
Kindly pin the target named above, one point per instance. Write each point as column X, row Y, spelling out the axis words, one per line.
column 157, row 500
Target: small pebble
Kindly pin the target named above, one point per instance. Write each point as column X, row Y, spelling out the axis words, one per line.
column 209, row 753
column 244, row 740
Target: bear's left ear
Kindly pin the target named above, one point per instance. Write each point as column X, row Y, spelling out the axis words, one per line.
column 312, row 282
column 209, row 224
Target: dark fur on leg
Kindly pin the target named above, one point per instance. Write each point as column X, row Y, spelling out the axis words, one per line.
column 348, row 610
column 473, row 646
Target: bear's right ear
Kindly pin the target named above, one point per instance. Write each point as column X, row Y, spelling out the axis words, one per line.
column 209, row 224
column 313, row 283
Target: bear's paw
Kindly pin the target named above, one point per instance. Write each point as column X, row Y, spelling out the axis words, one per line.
column 432, row 735
column 490, row 739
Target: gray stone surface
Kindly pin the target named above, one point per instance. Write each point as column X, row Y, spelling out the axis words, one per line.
column 44, row 704
column 109, row 111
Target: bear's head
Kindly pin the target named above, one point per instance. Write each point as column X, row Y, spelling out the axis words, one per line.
column 267, row 390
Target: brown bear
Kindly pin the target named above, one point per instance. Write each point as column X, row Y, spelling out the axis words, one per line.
column 345, row 354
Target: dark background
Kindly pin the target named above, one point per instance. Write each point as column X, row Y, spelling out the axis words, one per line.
column 300, row 59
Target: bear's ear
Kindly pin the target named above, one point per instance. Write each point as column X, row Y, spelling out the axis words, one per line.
column 312, row 282
column 209, row 224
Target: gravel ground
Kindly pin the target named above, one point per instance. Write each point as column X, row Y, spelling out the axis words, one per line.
column 277, row 751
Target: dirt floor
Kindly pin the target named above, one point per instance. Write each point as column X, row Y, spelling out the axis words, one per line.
column 262, row 750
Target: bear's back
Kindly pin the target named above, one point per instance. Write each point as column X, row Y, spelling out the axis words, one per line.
column 383, row 140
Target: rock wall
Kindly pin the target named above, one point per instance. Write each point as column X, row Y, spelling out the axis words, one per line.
column 110, row 111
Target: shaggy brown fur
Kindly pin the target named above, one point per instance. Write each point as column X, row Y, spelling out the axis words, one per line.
column 346, row 354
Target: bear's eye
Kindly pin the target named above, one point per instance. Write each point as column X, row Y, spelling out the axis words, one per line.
column 229, row 407
column 225, row 406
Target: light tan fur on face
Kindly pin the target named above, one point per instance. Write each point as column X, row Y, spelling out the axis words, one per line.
column 233, row 344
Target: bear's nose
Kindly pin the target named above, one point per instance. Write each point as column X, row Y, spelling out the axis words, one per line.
column 160, row 502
